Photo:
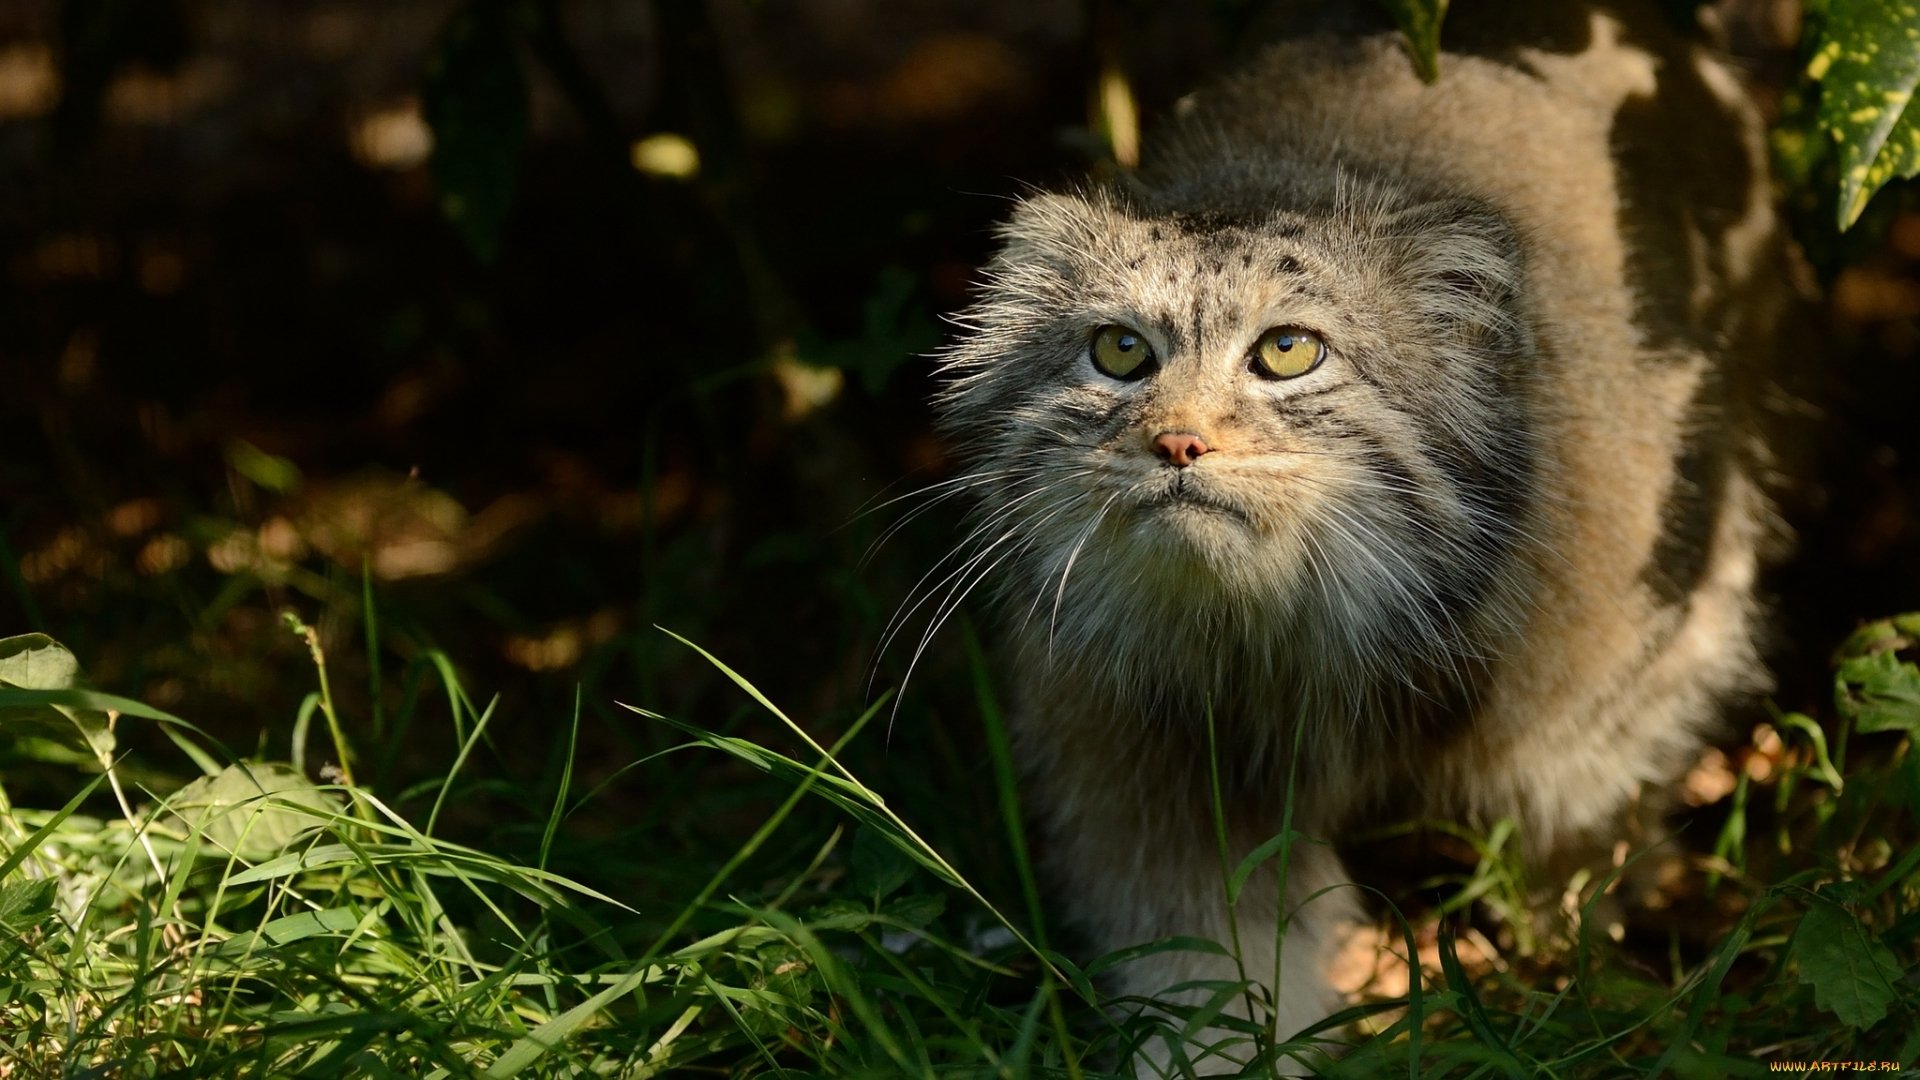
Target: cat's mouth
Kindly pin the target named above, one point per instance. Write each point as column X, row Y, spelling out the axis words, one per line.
column 1183, row 493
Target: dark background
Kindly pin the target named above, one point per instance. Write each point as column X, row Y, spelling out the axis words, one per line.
column 247, row 365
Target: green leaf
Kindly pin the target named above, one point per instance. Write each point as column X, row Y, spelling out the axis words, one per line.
column 785, row 969
column 25, row 904
column 37, row 677
column 1879, row 692
column 857, row 801
column 1822, row 761
column 1273, row 846
column 26, row 848
column 788, row 972
column 96, row 701
column 1867, row 63
column 267, row 470
column 254, row 810
column 291, row 928
column 475, row 101
column 36, row 662
column 879, row 865
column 1898, row 632
column 1474, row 1013
column 555, row 1032
column 917, row 910
column 1119, row 957
column 1420, row 21
column 1851, row 973
column 1072, row 973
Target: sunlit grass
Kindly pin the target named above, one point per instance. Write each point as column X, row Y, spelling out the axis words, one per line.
column 256, row 923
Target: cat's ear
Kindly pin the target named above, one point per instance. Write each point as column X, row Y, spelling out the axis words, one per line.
column 1464, row 259
column 1051, row 228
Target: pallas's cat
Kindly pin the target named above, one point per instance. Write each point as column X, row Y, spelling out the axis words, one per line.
column 1402, row 435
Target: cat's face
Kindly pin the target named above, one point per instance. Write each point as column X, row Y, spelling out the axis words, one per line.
column 1261, row 427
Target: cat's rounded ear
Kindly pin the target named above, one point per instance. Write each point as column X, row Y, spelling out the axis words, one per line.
column 1465, row 259
column 1049, row 227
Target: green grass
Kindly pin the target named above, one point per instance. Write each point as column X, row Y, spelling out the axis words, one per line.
column 253, row 922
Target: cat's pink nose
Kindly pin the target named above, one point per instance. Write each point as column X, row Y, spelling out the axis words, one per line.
column 1180, row 448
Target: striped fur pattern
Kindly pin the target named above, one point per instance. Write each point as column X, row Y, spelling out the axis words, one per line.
column 1493, row 557
column 1351, row 545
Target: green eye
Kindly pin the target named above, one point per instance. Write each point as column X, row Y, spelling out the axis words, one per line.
column 1120, row 352
column 1288, row 352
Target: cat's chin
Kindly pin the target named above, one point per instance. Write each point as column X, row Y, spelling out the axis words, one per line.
column 1194, row 502
column 1186, row 528
column 1182, row 544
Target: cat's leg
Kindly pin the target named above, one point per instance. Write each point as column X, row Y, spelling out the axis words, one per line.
column 1135, row 855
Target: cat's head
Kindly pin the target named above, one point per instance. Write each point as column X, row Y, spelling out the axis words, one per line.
column 1211, row 432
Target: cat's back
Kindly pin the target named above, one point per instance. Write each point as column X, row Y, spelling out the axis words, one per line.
column 1630, row 160
column 1630, row 165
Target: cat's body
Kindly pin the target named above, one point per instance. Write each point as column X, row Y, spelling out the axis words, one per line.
column 1492, row 555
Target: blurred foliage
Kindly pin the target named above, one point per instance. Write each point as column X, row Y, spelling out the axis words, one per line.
column 1842, row 135
column 1865, row 58
column 1420, row 21
column 475, row 100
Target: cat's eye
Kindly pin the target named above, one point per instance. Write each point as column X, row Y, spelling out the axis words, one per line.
column 1288, row 352
column 1120, row 352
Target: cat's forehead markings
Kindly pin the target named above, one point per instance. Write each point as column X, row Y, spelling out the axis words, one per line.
column 1213, row 222
column 1210, row 243
column 1232, row 226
